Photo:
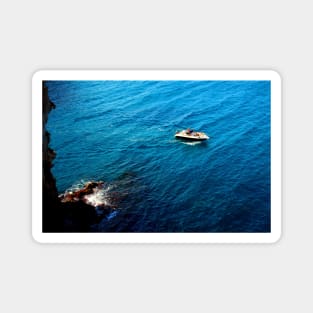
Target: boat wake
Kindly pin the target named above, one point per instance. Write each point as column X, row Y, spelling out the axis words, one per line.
column 194, row 143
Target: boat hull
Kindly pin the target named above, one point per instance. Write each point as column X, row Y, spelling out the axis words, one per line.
column 191, row 138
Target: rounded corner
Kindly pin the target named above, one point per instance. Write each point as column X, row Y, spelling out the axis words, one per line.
column 37, row 75
column 276, row 75
column 276, row 238
column 36, row 238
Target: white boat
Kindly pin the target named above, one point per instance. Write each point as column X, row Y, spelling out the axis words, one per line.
column 190, row 134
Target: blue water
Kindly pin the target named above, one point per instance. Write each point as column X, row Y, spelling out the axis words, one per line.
column 122, row 132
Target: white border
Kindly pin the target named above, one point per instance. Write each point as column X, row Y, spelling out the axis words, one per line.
column 271, row 237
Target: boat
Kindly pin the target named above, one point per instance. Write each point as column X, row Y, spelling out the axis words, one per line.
column 190, row 134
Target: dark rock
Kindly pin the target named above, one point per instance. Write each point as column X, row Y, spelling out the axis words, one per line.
column 78, row 216
column 57, row 216
column 74, row 196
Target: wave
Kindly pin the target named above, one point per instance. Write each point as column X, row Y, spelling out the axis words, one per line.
column 100, row 197
column 130, row 126
column 86, row 117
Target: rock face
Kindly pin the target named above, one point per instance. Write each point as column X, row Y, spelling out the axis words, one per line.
column 57, row 216
column 51, row 219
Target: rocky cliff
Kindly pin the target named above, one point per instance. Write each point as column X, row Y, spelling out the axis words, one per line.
column 51, row 217
column 58, row 216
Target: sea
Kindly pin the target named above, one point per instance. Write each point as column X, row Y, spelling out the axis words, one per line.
column 123, row 133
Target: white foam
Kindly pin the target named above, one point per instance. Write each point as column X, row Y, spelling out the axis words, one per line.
column 191, row 143
column 99, row 197
column 77, row 186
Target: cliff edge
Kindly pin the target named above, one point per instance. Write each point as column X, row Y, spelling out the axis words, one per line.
column 56, row 215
